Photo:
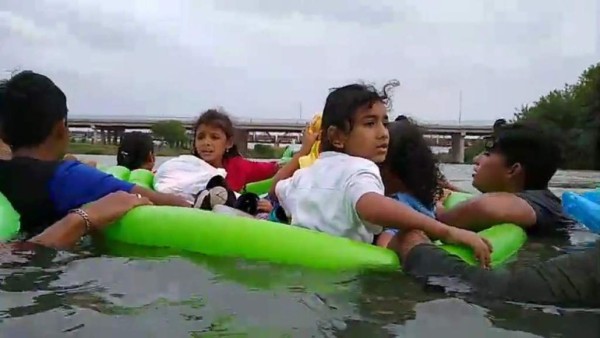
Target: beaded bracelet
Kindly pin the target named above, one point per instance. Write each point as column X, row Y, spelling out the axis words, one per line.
column 86, row 218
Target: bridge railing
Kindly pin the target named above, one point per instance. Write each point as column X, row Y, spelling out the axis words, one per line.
column 140, row 118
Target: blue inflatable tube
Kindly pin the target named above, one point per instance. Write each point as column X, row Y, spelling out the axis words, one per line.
column 583, row 209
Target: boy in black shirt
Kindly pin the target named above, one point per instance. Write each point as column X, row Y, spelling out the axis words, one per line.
column 513, row 174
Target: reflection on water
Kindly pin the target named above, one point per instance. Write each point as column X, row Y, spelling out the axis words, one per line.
column 141, row 292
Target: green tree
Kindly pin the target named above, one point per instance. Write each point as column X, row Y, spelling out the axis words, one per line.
column 574, row 113
column 170, row 131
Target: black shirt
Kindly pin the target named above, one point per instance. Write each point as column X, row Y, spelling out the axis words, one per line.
column 25, row 183
column 572, row 279
column 550, row 217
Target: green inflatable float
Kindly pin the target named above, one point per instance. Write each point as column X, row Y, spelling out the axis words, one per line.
column 260, row 188
column 215, row 234
column 10, row 220
column 224, row 235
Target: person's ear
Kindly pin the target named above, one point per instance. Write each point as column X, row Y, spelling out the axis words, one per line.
column 229, row 144
column 337, row 138
column 61, row 131
column 515, row 170
column 151, row 158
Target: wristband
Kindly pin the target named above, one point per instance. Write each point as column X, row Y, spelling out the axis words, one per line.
column 86, row 218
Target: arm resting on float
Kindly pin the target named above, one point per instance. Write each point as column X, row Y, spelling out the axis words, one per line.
column 159, row 198
column 62, row 234
column 489, row 209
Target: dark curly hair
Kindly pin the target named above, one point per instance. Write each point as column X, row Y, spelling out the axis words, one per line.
column 411, row 160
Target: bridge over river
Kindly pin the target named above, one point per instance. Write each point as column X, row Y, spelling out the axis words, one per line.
column 111, row 128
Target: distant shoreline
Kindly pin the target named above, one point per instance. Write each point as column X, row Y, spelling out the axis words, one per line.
column 111, row 150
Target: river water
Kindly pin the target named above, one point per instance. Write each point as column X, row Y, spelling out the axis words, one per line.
column 159, row 294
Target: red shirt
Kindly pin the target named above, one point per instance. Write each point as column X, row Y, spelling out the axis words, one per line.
column 241, row 171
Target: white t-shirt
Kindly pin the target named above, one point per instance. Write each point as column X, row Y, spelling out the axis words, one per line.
column 323, row 196
column 185, row 176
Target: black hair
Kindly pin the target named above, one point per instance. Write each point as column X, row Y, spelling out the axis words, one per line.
column 343, row 103
column 221, row 120
column 134, row 150
column 498, row 124
column 30, row 107
column 411, row 160
column 401, row 118
column 537, row 150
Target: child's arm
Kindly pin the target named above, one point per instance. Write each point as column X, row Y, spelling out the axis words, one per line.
column 445, row 184
column 488, row 209
column 309, row 138
column 386, row 212
column 75, row 184
column 160, row 198
column 378, row 209
column 365, row 191
column 258, row 171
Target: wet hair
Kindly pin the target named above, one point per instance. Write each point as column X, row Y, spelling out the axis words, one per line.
column 536, row 149
column 221, row 120
column 134, row 150
column 30, row 107
column 411, row 160
column 343, row 103
column 498, row 124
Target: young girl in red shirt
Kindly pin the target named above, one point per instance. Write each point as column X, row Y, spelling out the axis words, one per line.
column 214, row 143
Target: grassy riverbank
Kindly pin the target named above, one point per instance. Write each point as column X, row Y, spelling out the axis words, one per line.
column 260, row 151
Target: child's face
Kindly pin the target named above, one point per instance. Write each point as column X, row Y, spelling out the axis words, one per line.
column 211, row 143
column 369, row 136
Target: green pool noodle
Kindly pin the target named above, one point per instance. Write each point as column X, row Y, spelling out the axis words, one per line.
column 119, row 172
column 143, row 178
column 10, row 220
column 506, row 239
column 260, row 187
column 214, row 234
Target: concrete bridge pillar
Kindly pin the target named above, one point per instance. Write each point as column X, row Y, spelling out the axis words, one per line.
column 94, row 134
column 458, row 148
column 115, row 136
column 240, row 139
column 103, row 135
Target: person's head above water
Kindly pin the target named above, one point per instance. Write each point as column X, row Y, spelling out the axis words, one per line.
column 520, row 157
column 410, row 165
column 401, row 118
column 354, row 120
column 499, row 123
column 136, row 151
column 214, row 138
column 33, row 116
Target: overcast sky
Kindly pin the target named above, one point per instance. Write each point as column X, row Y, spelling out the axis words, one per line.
column 275, row 58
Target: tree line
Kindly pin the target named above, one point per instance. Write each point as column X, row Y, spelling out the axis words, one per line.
column 573, row 114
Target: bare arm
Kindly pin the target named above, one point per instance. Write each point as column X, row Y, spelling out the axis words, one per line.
column 288, row 170
column 159, row 198
column 489, row 209
column 62, row 234
column 378, row 209
column 444, row 183
column 66, row 232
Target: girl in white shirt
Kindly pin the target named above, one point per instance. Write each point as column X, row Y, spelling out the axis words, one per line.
column 342, row 192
